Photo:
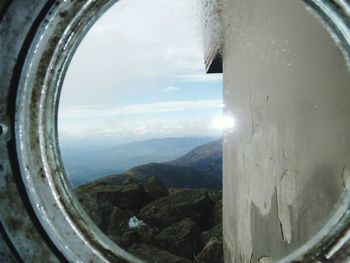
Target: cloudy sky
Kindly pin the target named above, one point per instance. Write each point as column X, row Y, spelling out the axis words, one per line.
column 139, row 73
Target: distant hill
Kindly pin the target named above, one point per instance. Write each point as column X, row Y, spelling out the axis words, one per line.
column 85, row 164
column 206, row 158
column 199, row 168
column 154, row 150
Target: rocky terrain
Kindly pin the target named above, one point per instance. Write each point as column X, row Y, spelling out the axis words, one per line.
column 199, row 168
column 157, row 223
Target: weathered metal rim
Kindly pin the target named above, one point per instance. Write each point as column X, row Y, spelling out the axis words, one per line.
column 41, row 167
column 61, row 215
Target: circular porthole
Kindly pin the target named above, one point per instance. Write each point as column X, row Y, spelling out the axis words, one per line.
column 29, row 143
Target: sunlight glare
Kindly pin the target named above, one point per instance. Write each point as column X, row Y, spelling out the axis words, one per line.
column 224, row 122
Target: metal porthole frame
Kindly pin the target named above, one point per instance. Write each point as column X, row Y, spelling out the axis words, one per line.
column 30, row 162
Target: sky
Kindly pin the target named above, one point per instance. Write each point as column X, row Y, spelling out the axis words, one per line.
column 138, row 74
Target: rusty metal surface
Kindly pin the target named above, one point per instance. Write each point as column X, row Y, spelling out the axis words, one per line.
column 15, row 219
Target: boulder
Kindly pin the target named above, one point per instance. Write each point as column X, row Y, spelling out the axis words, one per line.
column 179, row 238
column 212, row 252
column 117, row 223
column 99, row 213
column 168, row 210
column 155, row 189
column 146, row 234
column 216, row 231
column 128, row 238
column 151, row 254
column 132, row 196
column 111, row 220
column 216, row 215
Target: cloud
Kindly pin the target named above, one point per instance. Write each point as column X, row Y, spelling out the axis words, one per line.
column 158, row 107
column 199, row 77
column 170, row 89
column 129, row 47
column 130, row 54
column 144, row 128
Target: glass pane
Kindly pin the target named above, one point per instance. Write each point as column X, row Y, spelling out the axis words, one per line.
column 140, row 129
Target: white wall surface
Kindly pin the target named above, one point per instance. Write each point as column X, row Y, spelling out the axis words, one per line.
column 287, row 161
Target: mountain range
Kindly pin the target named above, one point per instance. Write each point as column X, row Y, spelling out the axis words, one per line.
column 85, row 163
column 199, row 168
column 206, row 158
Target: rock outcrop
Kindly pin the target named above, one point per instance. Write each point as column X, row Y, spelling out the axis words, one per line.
column 212, row 251
column 180, row 237
column 215, row 231
column 155, row 189
column 168, row 210
column 156, row 224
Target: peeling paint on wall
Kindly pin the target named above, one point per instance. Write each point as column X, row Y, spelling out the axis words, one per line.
column 282, row 163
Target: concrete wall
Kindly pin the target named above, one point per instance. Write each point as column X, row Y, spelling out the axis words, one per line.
column 288, row 160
